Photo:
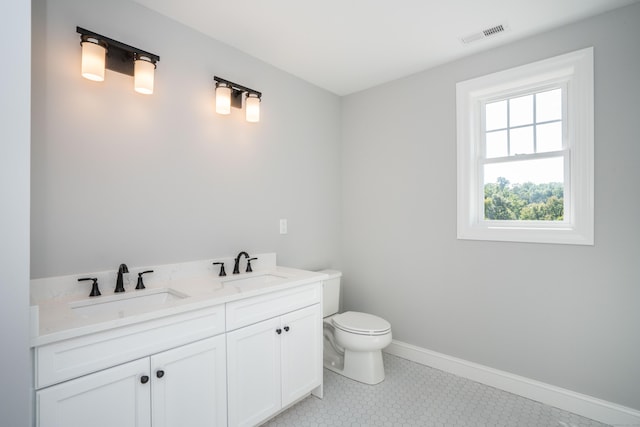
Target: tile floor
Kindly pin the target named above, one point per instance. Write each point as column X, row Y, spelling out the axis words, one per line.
column 416, row 395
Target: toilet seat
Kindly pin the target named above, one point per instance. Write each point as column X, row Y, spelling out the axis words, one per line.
column 361, row 323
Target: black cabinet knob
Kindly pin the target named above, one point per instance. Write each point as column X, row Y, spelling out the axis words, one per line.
column 278, row 331
column 159, row 373
column 286, row 329
column 144, row 379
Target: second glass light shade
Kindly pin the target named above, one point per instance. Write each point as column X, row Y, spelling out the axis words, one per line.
column 252, row 108
column 143, row 75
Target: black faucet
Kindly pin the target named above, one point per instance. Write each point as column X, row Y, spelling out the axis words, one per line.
column 236, row 265
column 119, row 285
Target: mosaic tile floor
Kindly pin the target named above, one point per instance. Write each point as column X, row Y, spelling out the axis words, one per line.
column 416, row 395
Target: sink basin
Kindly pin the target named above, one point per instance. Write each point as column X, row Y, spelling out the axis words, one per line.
column 256, row 280
column 127, row 303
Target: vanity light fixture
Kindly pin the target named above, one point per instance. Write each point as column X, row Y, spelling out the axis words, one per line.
column 100, row 53
column 229, row 94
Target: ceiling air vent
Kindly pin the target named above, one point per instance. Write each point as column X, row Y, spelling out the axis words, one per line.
column 483, row 34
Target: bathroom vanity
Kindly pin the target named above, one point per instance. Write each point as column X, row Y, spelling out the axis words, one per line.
column 193, row 349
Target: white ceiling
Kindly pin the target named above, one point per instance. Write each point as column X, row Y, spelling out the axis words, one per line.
column 346, row 46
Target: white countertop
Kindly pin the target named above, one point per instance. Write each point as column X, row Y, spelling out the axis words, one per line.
column 56, row 320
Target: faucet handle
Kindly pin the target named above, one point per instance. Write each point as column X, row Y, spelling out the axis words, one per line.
column 95, row 291
column 249, row 269
column 222, row 272
column 140, row 284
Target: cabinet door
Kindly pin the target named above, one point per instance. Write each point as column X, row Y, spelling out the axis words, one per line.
column 189, row 385
column 253, row 372
column 301, row 353
column 113, row 397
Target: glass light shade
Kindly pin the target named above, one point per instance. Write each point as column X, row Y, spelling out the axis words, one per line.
column 223, row 99
column 143, row 75
column 93, row 60
column 252, row 108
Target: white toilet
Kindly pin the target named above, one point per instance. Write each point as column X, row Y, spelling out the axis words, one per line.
column 353, row 341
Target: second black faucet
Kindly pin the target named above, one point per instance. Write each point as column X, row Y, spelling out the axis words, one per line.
column 236, row 264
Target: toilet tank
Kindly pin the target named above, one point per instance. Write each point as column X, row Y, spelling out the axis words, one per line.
column 331, row 292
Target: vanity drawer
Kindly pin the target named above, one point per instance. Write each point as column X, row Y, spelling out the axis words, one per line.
column 63, row 360
column 255, row 309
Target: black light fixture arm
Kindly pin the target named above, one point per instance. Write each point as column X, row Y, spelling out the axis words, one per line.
column 236, row 88
column 120, row 56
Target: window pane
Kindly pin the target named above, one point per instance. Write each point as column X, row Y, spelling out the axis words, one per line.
column 527, row 190
column 521, row 111
column 496, row 143
column 496, row 115
column 521, row 171
column 549, row 106
column 549, row 137
column 521, row 140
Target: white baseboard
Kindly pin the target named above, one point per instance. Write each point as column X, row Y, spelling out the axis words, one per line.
column 580, row 404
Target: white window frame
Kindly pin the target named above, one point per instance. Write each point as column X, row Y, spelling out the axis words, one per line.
column 572, row 71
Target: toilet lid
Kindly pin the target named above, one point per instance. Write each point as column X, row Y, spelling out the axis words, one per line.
column 361, row 323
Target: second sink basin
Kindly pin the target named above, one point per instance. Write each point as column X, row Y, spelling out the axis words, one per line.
column 258, row 279
column 127, row 303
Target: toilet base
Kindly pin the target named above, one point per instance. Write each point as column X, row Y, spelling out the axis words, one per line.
column 363, row 366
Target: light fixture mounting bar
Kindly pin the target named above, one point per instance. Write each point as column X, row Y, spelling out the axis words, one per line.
column 236, row 87
column 120, row 56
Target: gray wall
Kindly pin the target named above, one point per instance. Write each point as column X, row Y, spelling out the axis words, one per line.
column 564, row 315
column 122, row 177
column 15, row 86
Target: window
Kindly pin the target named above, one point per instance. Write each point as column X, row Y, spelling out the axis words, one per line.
column 525, row 153
column 522, row 157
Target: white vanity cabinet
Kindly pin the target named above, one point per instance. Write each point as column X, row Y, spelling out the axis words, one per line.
column 274, row 354
column 236, row 363
column 182, row 386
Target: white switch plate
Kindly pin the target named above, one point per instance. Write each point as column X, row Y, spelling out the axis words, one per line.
column 283, row 226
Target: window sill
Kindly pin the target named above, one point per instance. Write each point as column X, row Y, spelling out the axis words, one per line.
column 561, row 234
